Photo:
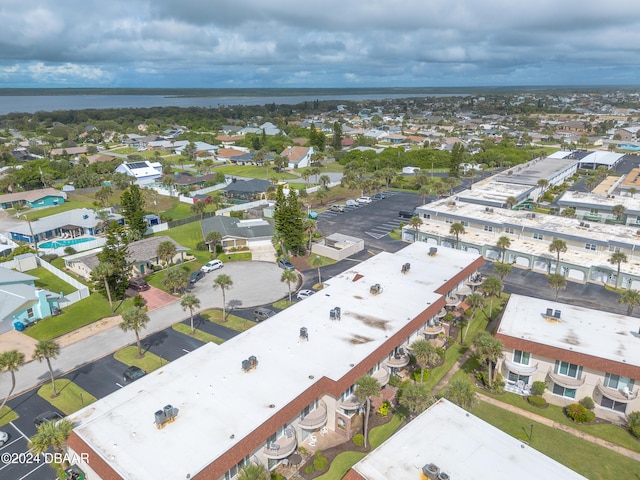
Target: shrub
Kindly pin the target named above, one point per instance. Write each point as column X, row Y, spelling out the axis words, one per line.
column 303, row 451
column 538, row 388
column 49, row 257
column 633, row 423
column 498, row 384
column 579, row 414
column 320, row 462
column 537, row 401
column 70, row 250
column 358, row 439
column 277, row 476
column 587, row 402
column 395, row 381
column 481, row 377
column 385, row 408
column 202, row 247
column 416, row 374
column 309, row 469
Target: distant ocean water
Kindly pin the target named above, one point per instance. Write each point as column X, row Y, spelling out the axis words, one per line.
column 49, row 103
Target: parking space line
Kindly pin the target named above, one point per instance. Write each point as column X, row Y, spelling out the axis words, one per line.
column 185, row 350
column 18, row 430
column 39, row 466
column 10, row 443
column 121, row 386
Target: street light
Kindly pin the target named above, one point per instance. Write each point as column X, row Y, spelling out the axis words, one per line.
column 33, row 237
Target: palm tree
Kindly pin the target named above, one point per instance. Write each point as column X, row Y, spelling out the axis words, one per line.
column 415, row 222
column 457, row 229
column 289, row 276
column 191, row 303
column 425, row 353
column 166, row 251
column 543, row 183
column 475, row 302
column 502, row 269
column 213, row 237
column 11, row 361
column 631, row 298
column 492, row 287
column 618, row 258
column 488, row 350
column 48, row 350
column 503, row 243
column 366, row 388
column 52, row 435
column 325, row 180
column 254, row 471
column 309, row 227
column 461, row 392
column 135, row 318
column 199, row 208
column 558, row 246
column 618, row 211
column 103, row 271
column 416, row 398
column 224, row 283
column 316, row 262
column 177, row 278
column 557, row 282
column 511, row 202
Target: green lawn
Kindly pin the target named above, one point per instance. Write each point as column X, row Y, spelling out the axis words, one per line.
column 187, row 235
column 233, row 322
column 180, row 210
column 198, row 334
column 148, row 363
column 586, row 458
column 38, row 213
column 77, row 315
column 235, row 257
column 254, row 172
column 7, row 415
column 51, row 282
column 71, row 397
column 282, row 304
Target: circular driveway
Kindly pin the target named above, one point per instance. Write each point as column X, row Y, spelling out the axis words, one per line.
column 254, row 283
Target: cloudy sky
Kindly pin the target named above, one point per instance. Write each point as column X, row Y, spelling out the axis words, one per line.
column 332, row 43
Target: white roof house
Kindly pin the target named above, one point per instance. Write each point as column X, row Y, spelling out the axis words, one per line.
column 143, row 171
column 459, row 444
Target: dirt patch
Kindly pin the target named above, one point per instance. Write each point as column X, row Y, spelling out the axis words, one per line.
column 14, row 340
column 88, row 330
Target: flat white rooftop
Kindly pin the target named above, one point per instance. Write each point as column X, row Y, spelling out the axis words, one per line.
column 583, row 199
column 219, row 404
column 580, row 330
column 461, row 445
column 542, row 168
column 494, row 192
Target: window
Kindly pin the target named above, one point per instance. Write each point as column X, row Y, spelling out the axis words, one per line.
column 590, row 246
column 448, row 220
column 593, row 211
column 568, row 369
column 514, row 378
column 426, row 216
column 613, row 405
column 30, row 313
column 613, row 249
column 617, row 382
column 564, row 392
column 520, row 357
column 464, row 223
column 510, row 230
column 538, row 236
column 488, row 228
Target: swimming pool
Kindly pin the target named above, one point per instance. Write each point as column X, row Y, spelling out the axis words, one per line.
column 65, row 243
column 629, row 147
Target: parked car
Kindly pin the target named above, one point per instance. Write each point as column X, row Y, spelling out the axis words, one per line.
column 133, row 373
column 139, row 284
column 195, row 276
column 352, row 203
column 406, row 213
column 302, row 294
column 4, row 436
column 364, row 200
column 378, row 196
column 212, row 265
column 48, row 416
column 286, row 264
column 260, row 314
column 337, row 208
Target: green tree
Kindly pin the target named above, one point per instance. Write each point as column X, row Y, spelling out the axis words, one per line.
column 416, row 398
column 103, row 195
column 631, row 298
column 475, row 302
column 224, row 283
column 52, row 435
column 191, row 303
column 456, row 159
column 461, row 392
column 325, row 180
column 511, row 201
column 618, row 258
column 132, row 201
column 114, row 252
column 254, row 471
column 425, row 354
column 337, row 136
column 47, row 350
column 11, row 361
column 166, row 251
column 618, row 211
column 309, row 227
column 491, row 287
column 213, row 237
column 199, row 208
column 102, row 272
column 177, row 279
column 503, row 243
column 288, row 221
column 557, row 282
column 136, row 319
column 456, row 230
column 316, row 262
column 415, row 222
column 558, row 246
column 289, row 277
column 502, row 269
column 367, row 387
column 487, row 349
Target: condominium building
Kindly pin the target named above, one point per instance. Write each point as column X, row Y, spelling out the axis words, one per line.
column 279, row 385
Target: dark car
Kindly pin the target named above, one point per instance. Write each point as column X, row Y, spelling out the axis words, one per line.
column 195, row 276
column 261, row 313
column 406, row 213
column 139, row 284
column 49, row 416
column 286, row 264
column 133, row 373
column 378, row 196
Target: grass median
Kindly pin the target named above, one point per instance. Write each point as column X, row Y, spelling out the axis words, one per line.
column 232, row 321
column 70, row 399
column 197, row 334
column 149, row 362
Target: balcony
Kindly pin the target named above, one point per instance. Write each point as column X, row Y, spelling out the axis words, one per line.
column 382, row 376
column 398, row 360
column 564, row 381
column 315, row 419
column 350, row 403
column 519, row 369
column 464, row 290
column 617, row 395
column 282, row 447
column 475, row 280
column 453, row 301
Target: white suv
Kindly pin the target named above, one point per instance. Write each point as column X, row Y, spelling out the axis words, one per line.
column 212, row 265
column 364, row 200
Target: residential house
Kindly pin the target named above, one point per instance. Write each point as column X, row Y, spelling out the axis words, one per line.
column 247, row 190
column 297, row 157
column 577, row 351
column 239, row 233
column 46, row 197
column 628, row 134
column 143, row 172
column 70, row 151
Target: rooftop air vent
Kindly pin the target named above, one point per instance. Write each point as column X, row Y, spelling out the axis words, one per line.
column 375, row 289
column 253, row 361
column 304, row 335
column 405, row 268
column 433, row 251
column 167, row 415
column 586, row 225
column 246, row 366
column 444, row 476
column 335, row 314
column 549, row 312
column 557, row 314
column 431, row 471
